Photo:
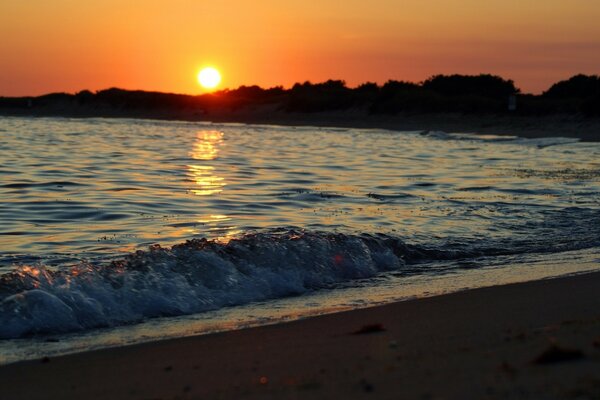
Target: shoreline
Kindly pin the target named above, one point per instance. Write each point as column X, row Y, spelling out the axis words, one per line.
column 562, row 125
column 485, row 342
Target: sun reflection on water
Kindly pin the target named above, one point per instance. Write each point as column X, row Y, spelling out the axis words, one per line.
column 207, row 183
column 206, row 148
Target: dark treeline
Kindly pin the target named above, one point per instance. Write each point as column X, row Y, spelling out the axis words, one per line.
column 439, row 94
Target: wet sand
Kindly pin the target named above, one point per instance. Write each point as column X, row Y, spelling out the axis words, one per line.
column 530, row 340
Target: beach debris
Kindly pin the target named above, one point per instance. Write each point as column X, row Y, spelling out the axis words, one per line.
column 393, row 344
column 370, row 328
column 263, row 380
column 554, row 354
column 168, row 368
column 45, row 360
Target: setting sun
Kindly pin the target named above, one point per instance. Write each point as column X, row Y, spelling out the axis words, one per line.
column 209, row 78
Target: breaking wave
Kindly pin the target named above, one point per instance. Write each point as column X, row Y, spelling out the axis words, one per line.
column 202, row 275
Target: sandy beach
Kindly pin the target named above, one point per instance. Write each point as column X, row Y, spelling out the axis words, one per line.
column 530, row 340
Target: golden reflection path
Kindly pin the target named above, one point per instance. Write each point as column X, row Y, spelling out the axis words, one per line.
column 207, row 182
column 206, row 148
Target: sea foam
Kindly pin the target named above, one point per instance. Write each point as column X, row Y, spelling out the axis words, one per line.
column 201, row 275
column 197, row 276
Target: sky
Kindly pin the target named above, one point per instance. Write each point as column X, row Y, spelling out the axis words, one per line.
column 71, row 45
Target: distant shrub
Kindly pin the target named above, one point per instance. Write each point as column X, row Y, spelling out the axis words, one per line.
column 142, row 100
column 591, row 106
column 577, row 87
column 84, row 97
column 484, row 85
column 366, row 93
column 55, row 98
column 326, row 96
column 398, row 96
column 15, row 102
column 480, row 94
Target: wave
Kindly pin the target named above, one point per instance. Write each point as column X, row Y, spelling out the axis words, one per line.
column 489, row 138
column 201, row 275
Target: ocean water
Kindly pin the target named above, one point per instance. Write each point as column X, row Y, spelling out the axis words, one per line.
column 116, row 231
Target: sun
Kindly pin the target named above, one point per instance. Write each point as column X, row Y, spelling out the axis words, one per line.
column 209, row 78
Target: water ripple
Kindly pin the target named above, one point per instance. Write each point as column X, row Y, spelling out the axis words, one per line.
column 97, row 188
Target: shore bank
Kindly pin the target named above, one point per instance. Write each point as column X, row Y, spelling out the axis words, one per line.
column 586, row 129
column 530, row 340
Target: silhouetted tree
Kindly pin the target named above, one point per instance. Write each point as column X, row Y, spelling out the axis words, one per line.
column 578, row 86
column 325, row 96
column 401, row 96
column 484, row 85
column 367, row 88
column 84, row 97
column 579, row 94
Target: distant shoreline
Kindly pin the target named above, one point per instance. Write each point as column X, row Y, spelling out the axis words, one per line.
column 563, row 125
column 484, row 104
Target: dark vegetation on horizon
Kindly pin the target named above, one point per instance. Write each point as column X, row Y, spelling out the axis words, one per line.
column 478, row 94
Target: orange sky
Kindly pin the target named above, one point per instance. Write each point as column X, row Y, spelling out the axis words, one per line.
column 70, row 45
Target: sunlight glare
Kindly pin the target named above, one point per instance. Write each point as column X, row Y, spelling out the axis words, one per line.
column 209, row 77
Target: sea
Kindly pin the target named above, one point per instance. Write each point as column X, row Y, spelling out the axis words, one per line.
column 121, row 231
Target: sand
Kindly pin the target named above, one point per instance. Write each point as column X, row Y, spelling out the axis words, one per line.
column 538, row 340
